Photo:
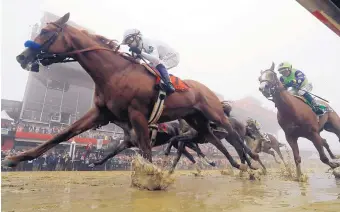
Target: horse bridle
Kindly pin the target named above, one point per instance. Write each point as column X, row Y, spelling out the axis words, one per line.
column 44, row 55
column 273, row 85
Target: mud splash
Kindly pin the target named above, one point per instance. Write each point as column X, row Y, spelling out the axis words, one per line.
column 111, row 191
column 146, row 175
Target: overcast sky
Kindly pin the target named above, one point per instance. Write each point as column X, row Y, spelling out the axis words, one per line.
column 223, row 44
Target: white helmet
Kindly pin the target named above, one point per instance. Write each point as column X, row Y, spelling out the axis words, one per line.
column 131, row 33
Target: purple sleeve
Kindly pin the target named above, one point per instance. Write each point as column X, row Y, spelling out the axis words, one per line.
column 300, row 77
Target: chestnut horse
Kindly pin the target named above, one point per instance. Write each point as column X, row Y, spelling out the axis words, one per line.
column 124, row 92
column 296, row 118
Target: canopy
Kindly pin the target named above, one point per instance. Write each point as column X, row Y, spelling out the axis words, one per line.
column 5, row 116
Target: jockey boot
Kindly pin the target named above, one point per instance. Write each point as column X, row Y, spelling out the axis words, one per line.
column 314, row 105
column 166, row 79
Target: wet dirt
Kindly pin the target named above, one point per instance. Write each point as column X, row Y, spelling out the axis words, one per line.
column 111, row 191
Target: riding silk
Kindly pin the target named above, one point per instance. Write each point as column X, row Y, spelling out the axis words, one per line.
column 159, row 53
column 296, row 79
column 301, row 87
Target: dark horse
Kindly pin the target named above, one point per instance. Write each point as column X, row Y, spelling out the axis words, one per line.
column 259, row 144
column 295, row 117
column 190, row 137
column 124, row 92
column 165, row 132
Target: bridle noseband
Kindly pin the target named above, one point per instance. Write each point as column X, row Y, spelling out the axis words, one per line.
column 274, row 86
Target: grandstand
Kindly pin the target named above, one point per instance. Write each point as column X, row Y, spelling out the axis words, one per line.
column 56, row 97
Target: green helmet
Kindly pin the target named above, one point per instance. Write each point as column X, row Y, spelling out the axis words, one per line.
column 250, row 121
column 284, row 67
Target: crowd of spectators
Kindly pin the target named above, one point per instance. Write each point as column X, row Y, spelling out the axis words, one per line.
column 61, row 161
column 30, row 127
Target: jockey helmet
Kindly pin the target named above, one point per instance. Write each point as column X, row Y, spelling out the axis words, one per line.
column 284, row 67
column 131, row 35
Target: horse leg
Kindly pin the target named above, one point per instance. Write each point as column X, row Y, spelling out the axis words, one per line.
column 278, row 151
column 325, row 144
column 270, row 152
column 179, row 154
column 186, row 153
column 197, row 149
column 218, row 144
column 113, row 152
column 140, row 125
column 91, row 119
column 317, row 141
column 201, row 124
column 232, row 134
column 172, row 142
column 334, row 124
column 292, row 141
column 243, row 157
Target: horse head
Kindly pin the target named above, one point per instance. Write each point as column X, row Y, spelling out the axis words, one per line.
column 269, row 82
column 227, row 107
column 51, row 40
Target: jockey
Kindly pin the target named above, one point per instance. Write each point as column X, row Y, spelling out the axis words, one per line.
column 299, row 83
column 251, row 121
column 160, row 55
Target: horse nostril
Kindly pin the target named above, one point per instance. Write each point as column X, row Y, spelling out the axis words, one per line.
column 21, row 58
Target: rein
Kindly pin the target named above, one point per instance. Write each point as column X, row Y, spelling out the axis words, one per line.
column 62, row 57
column 65, row 55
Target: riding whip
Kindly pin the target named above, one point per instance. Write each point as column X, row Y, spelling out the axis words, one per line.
column 315, row 95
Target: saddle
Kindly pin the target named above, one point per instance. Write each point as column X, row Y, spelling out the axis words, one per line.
column 321, row 105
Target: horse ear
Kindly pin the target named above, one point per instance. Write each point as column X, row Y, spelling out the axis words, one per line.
column 64, row 19
column 272, row 67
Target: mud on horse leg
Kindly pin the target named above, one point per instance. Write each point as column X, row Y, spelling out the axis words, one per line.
column 270, row 152
column 278, row 151
column 292, row 141
column 140, row 125
column 178, row 156
column 91, row 119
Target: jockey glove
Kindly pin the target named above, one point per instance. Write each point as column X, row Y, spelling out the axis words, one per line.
column 135, row 50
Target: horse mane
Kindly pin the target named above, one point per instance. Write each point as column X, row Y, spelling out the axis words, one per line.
column 108, row 43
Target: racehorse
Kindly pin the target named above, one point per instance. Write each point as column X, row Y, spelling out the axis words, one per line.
column 165, row 132
column 190, row 137
column 296, row 118
column 259, row 144
column 124, row 92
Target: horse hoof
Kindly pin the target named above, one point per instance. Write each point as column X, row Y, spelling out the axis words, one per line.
column 243, row 167
column 8, row 163
column 334, row 165
column 253, row 168
column 213, row 164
